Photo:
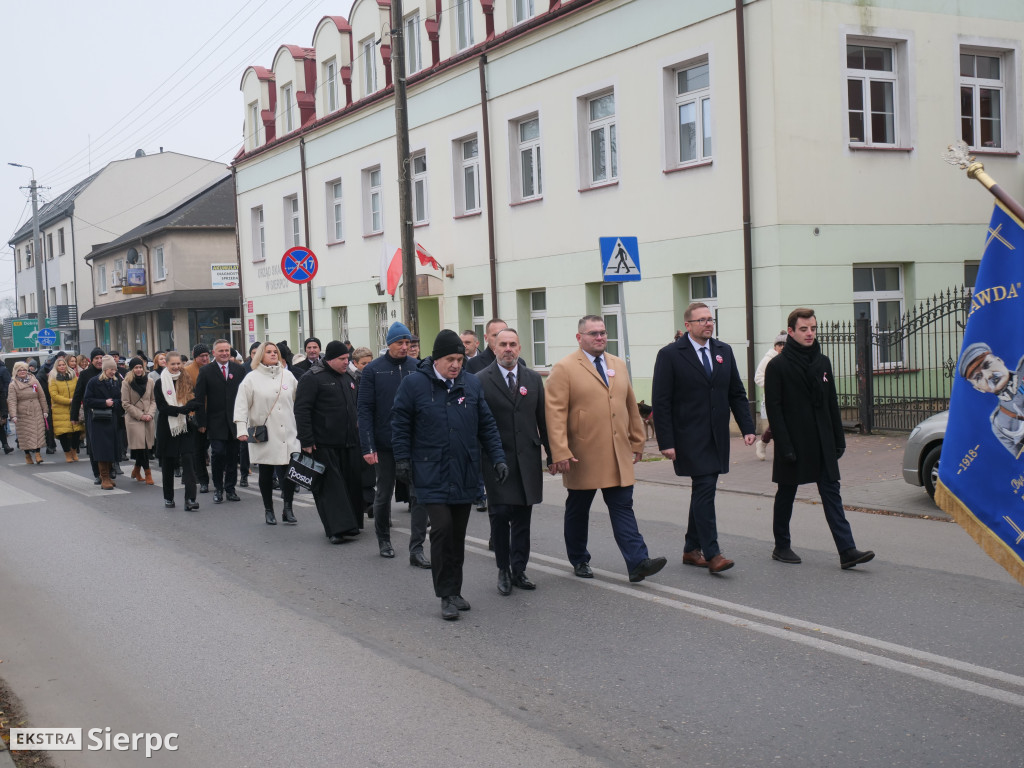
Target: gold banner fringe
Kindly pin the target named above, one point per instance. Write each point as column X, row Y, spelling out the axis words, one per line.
column 994, row 547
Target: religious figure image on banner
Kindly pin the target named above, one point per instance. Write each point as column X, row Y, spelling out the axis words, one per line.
column 981, row 471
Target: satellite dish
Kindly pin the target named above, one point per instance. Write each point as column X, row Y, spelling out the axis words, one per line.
column 140, row 153
column 133, row 255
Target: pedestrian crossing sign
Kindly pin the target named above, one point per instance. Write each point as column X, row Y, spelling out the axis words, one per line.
column 620, row 259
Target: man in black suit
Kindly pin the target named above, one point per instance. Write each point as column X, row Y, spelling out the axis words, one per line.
column 487, row 356
column 515, row 395
column 696, row 385
column 216, row 387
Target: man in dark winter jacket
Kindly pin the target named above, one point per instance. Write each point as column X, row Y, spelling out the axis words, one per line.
column 439, row 421
column 803, row 409
column 325, row 415
column 94, row 369
column 311, row 348
column 377, row 388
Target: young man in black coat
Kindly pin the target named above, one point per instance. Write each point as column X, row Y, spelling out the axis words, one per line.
column 92, row 371
column 803, row 409
column 515, row 395
column 216, row 388
column 325, row 416
column 696, row 385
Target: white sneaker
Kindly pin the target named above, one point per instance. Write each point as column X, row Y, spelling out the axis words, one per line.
column 759, row 449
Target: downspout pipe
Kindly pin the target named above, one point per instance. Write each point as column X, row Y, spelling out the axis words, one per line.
column 492, row 255
column 748, row 257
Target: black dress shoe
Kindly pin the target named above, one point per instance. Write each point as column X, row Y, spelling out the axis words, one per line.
column 648, row 567
column 203, row 487
column 448, row 610
column 96, row 481
column 418, row 559
column 459, row 602
column 481, row 504
column 232, row 496
column 853, row 556
column 218, row 497
column 191, row 505
column 504, row 582
column 170, row 503
column 8, row 449
column 490, row 544
column 244, row 482
column 286, row 513
column 271, row 520
column 177, row 473
column 521, row 581
column 583, row 570
column 786, row 555
column 386, row 550
column 275, row 483
column 336, row 539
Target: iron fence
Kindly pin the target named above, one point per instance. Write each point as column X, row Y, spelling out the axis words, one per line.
column 892, row 378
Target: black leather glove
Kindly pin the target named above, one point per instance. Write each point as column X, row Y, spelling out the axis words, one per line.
column 403, row 471
column 789, row 458
column 501, row 470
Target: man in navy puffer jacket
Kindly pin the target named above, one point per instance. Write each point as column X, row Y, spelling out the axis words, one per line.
column 439, row 422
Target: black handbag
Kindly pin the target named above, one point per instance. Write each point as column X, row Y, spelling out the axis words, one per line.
column 258, row 434
column 306, row 471
column 103, row 414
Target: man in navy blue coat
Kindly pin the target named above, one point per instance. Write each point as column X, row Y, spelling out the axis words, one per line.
column 439, row 421
column 377, row 387
column 696, row 385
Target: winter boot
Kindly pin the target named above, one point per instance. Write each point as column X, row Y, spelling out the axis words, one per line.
column 105, row 482
column 68, row 456
column 39, row 459
column 137, row 473
column 28, row 457
column 149, row 477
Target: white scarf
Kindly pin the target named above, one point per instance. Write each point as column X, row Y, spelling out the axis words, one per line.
column 178, row 424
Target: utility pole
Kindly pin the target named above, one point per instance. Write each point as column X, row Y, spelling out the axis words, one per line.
column 410, row 310
column 37, row 249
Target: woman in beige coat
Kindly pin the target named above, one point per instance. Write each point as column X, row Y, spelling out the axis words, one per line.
column 26, row 406
column 139, row 405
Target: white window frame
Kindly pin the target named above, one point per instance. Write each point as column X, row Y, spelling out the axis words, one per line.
column 379, row 323
column 539, row 319
column 1002, row 85
column 901, row 44
column 287, row 118
column 119, row 267
column 479, row 321
column 463, row 27
column 101, row 273
column 341, row 315
column 254, row 125
column 872, row 298
column 64, row 293
column 60, row 241
column 698, row 98
column 373, row 201
column 259, row 235
column 862, row 80
column 292, row 223
column 334, row 194
column 369, row 49
column 466, row 168
column 159, row 264
column 612, row 309
column 526, row 148
column 49, row 245
column 522, row 10
column 606, row 127
column 330, row 85
column 418, row 175
column 712, row 299
column 413, row 49
column 53, row 296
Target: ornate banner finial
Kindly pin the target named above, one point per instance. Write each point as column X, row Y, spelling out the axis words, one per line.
column 959, row 155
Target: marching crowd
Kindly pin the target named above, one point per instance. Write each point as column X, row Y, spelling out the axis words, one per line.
column 465, row 426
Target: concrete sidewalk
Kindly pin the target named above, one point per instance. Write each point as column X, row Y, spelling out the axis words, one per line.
column 871, row 469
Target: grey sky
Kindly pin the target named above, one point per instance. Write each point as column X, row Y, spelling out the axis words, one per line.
column 88, row 83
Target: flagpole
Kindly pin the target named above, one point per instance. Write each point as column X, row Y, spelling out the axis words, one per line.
column 957, row 154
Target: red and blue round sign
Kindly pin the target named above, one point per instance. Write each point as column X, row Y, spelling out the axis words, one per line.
column 299, row 265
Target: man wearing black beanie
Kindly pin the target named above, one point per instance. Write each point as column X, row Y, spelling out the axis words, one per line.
column 311, row 347
column 449, row 440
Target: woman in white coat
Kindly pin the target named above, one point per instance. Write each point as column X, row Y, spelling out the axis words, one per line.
column 266, row 397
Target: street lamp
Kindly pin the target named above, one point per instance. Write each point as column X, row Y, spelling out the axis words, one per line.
column 37, row 250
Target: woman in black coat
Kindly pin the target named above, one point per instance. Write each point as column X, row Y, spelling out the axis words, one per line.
column 103, row 397
column 175, row 440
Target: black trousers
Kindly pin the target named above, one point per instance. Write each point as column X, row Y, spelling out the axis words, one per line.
column 243, row 458
column 69, row 441
column 339, row 498
column 448, row 523
column 267, row 472
column 510, row 534
column 224, row 464
column 202, row 446
column 702, row 527
column 141, row 457
column 188, row 475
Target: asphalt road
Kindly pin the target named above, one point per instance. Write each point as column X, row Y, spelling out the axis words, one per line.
column 265, row 645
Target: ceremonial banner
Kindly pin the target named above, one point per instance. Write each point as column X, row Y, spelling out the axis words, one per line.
column 981, row 474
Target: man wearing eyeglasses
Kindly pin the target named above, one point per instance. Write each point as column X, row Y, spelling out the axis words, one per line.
column 696, row 385
column 596, row 437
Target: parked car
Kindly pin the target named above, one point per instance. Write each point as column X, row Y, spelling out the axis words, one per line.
column 921, row 456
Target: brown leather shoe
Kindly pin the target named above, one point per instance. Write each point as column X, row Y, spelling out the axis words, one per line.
column 719, row 563
column 695, row 557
